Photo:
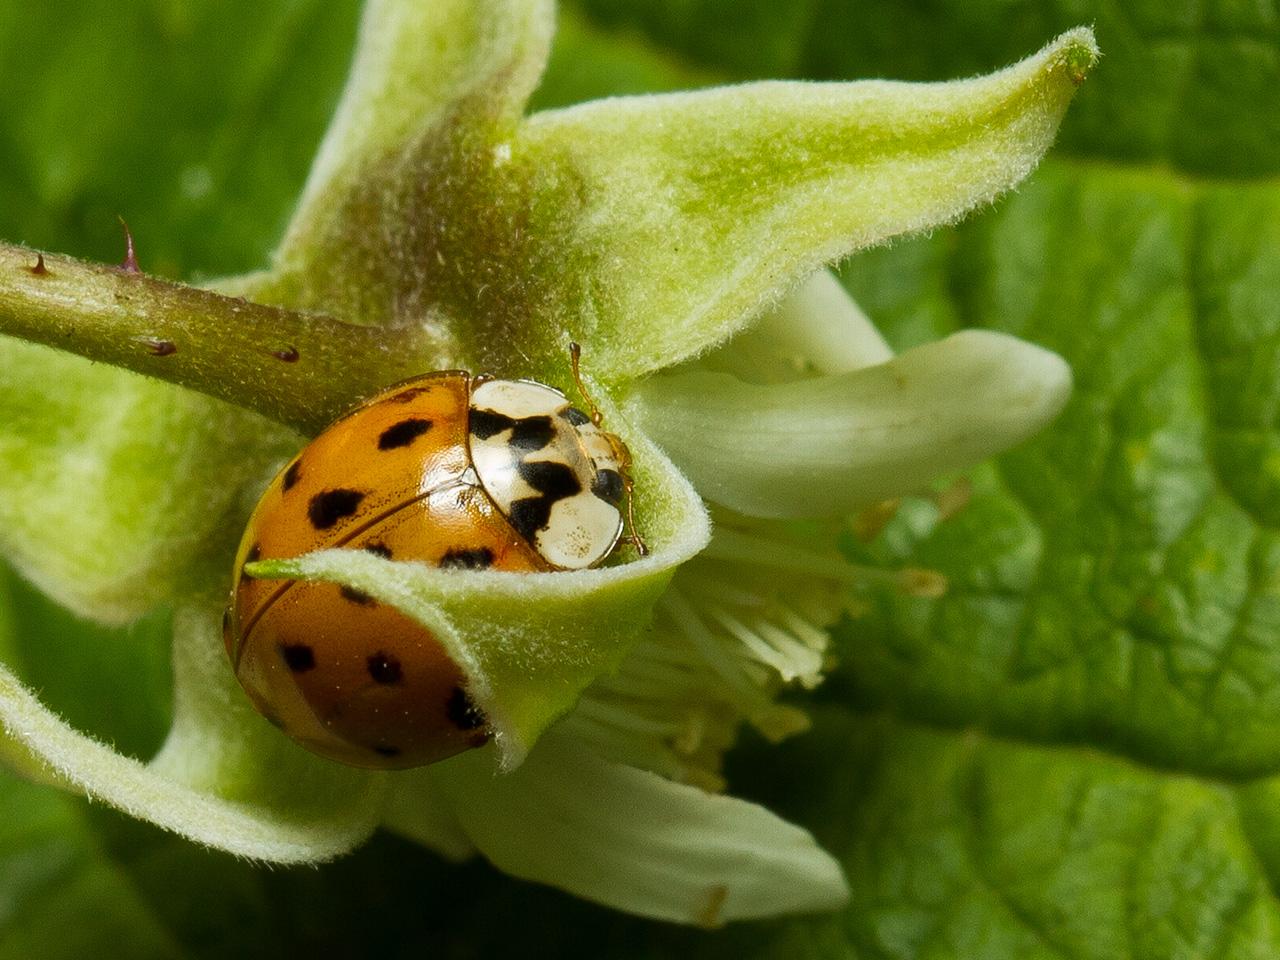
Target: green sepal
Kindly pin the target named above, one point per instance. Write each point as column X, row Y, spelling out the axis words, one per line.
column 676, row 219
column 395, row 221
column 224, row 778
column 480, row 235
column 118, row 492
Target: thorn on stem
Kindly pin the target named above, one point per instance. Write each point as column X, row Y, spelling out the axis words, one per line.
column 289, row 354
column 40, row 269
column 130, row 262
column 158, row 347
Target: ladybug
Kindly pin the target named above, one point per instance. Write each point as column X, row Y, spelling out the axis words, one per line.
column 463, row 472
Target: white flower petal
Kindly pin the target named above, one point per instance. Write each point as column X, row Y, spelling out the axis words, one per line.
column 816, row 329
column 418, row 811
column 832, row 444
column 631, row 840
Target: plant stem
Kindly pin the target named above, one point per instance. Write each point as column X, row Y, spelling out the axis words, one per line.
column 301, row 369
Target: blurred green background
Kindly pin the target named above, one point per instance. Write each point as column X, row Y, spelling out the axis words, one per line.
column 1071, row 755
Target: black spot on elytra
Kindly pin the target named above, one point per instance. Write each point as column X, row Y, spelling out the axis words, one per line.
column 385, row 751
column 327, row 508
column 404, row 396
column 462, row 713
column 530, row 515
column 486, row 423
column 608, row 486
column 298, row 657
column 575, row 416
column 356, row 596
column 553, row 480
column 379, row 549
column 476, row 559
column 291, row 476
column 527, row 434
column 384, row 668
column 532, row 433
column 403, row 433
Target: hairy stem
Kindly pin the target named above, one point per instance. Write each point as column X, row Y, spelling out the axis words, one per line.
column 301, row 369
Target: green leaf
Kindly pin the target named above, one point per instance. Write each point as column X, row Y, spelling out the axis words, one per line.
column 533, row 233
column 53, row 868
column 1112, row 584
column 71, row 661
column 183, row 155
column 587, row 63
column 418, row 65
column 959, row 844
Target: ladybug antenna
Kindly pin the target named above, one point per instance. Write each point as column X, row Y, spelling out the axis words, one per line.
column 575, row 357
column 620, row 449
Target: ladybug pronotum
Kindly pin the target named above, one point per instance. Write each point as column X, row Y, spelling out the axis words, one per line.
column 461, row 472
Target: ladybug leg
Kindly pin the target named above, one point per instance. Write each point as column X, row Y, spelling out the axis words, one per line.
column 632, row 537
column 628, row 486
